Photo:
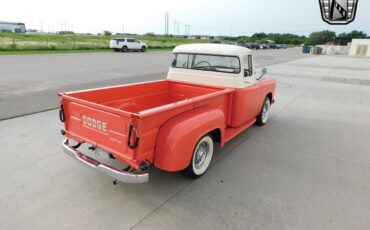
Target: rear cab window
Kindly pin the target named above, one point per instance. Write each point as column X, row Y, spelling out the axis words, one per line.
column 248, row 65
column 207, row 62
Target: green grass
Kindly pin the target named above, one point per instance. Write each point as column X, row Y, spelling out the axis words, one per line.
column 23, row 52
column 19, row 52
column 11, row 43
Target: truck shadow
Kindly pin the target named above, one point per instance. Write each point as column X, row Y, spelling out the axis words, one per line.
column 159, row 178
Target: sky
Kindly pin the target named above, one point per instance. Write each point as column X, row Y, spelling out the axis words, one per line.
column 205, row 17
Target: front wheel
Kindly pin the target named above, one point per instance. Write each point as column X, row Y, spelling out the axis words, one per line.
column 143, row 49
column 264, row 114
column 201, row 158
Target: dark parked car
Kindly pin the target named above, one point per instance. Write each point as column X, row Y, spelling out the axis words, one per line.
column 274, row 46
column 255, row 46
column 265, row 46
column 246, row 45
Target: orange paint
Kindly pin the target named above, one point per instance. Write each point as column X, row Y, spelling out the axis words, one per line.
column 167, row 117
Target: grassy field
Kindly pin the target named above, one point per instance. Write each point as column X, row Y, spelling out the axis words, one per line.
column 15, row 43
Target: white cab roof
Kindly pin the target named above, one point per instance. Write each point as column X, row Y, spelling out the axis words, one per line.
column 221, row 49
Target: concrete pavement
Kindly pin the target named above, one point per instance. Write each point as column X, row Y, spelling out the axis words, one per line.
column 30, row 83
column 308, row 168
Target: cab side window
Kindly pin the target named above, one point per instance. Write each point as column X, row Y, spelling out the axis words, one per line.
column 130, row 40
column 248, row 65
column 181, row 60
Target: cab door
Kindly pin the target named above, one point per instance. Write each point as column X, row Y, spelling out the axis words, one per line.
column 246, row 102
column 131, row 44
column 137, row 44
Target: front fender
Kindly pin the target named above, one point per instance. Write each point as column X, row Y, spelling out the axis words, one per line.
column 177, row 138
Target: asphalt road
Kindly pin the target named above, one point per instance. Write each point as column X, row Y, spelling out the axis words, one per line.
column 30, row 83
column 308, row 168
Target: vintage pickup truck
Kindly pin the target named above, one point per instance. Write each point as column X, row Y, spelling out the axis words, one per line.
column 211, row 94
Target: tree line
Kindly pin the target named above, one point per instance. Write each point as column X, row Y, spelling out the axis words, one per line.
column 315, row 38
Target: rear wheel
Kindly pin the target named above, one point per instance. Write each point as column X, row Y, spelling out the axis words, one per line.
column 124, row 49
column 264, row 114
column 201, row 158
column 143, row 49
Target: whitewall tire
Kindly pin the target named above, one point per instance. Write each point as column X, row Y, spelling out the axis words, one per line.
column 202, row 157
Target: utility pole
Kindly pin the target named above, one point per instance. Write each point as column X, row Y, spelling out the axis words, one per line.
column 186, row 29
column 166, row 23
column 174, row 27
column 41, row 25
column 178, row 28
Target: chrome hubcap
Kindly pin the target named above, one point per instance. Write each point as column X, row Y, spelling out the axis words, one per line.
column 201, row 154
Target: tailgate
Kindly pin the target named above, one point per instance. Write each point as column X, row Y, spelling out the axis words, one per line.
column 97, row 125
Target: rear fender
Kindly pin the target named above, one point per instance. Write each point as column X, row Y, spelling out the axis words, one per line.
column 178, row 136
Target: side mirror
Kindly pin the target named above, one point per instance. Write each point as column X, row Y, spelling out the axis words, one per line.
column 263, row 72
column 248, row 72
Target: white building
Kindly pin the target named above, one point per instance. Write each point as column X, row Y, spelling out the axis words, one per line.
column 360, row 47
column 18, row 27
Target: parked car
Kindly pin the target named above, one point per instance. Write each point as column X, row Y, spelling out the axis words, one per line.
column 274, row 46
column 265, row 46
column 255, row 46
column 125, row 44
column 283, row 46
column 246, row 45
column 211, row 94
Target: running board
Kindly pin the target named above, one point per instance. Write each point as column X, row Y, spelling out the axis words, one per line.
column 232, row 132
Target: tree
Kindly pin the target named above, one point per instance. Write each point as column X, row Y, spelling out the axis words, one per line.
column 352, row 35
column 107, row 33
column 345, row 38
column 150, row 34
column 322, row 37
column 258, row 36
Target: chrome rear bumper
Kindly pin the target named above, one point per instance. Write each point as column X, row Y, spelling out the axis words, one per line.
column 122, row 176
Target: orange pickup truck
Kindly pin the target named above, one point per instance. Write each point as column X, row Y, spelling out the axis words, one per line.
column 211, row 94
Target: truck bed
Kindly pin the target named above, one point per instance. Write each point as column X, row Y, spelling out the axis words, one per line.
column 115, row 118
column 138, row 98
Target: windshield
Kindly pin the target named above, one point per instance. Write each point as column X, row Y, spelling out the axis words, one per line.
column 207, row 62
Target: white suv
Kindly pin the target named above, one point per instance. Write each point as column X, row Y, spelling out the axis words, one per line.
column 125, row 44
